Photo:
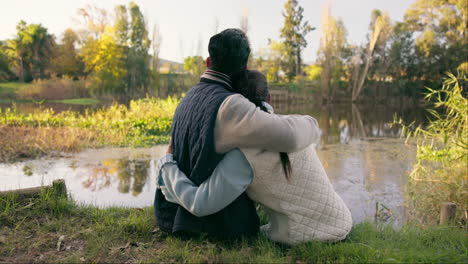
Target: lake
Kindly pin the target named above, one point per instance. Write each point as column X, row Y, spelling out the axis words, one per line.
column 363, row 154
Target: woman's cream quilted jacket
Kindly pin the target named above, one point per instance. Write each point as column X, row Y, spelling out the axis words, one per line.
column 306, row 208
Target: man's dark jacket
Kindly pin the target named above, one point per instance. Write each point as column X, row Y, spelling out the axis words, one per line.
column 194, row 150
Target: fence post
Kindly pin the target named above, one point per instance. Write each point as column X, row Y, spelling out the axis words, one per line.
column 447, row 213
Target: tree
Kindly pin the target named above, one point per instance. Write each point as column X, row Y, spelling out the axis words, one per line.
column 155, row 48
column 123, row 46
column 40, row 44
column 5, row 71
column 271, row 61
column 105, row 60
column 31, row 50
column 67, row 62
column 313, row 72
column 402, row 59
column 380, row 64
column 331, row 53
column 293, row 34
column 95, row 20
column 378, row 24
column 244, row 21
column 440, row 29
column 121, row 25
column 195, row 65
column 138, row 57
column 16, row 51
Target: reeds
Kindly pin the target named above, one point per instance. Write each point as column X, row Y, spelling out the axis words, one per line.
column 441, row 171
column 144, row 122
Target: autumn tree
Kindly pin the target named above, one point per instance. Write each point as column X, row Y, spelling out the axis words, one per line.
column 103, row 57
column 105, row 61
column 117, row 54
column 122, row 25
column 293, row 34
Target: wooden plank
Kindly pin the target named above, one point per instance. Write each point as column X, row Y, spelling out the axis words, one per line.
column 57, row 186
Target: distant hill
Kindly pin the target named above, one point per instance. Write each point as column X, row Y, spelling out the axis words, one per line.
column 167, row 66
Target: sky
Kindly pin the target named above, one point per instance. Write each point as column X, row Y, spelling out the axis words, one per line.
column 185, row 23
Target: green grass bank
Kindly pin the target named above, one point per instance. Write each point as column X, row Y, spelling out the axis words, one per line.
column 143, row 123
column 54, row 229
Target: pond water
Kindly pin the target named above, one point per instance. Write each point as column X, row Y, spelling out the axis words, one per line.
column 362, row 153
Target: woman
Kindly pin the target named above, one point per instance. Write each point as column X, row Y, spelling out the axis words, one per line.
column 293, row 189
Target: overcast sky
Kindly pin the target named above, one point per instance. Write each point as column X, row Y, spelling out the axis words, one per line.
column 183, row 22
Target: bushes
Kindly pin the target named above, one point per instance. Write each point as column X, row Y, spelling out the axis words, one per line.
column 55, row 89
column 441, row 173
column 145, row 122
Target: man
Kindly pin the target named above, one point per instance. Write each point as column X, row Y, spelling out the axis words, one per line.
column 213, row 119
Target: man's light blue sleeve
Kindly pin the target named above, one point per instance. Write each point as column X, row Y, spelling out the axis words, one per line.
column 230, row 179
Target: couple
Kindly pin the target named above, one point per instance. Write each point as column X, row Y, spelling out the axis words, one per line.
column 229, row 148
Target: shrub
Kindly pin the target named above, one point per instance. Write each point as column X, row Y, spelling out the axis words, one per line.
column 55, row 89
column 441, row 173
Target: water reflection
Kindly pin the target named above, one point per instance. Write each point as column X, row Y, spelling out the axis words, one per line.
column 131, row 175
column 341, row 123
column 363, row 155
column 102, row 177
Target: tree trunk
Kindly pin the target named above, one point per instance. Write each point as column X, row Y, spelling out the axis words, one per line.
column 375, row 35
column 298, row 62
column 21, row 70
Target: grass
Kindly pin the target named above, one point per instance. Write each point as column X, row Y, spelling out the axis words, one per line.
column 11, row 87
column 144, row 123
column 9, row 101
column 30, row 231
column 440, row 173
column 76, row 101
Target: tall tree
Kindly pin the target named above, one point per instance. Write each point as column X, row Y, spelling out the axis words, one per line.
column 380, row 59
column 331, row 53
column 440, row 28
column 244, row 21
column 5, row 71
column 16, row 52
column 121, row 24
column 378, row 24
column 138, row 57
column 293, row 34
column 402, row 59
column 31, row 50
column 67, row 61
column 156, row 40
column 105, row 61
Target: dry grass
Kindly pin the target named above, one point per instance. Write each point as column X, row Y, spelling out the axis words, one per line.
column 30, row 142
column 54, row 89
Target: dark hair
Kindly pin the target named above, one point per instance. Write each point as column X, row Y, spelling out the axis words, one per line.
column 246, row 83
column 229, row 51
